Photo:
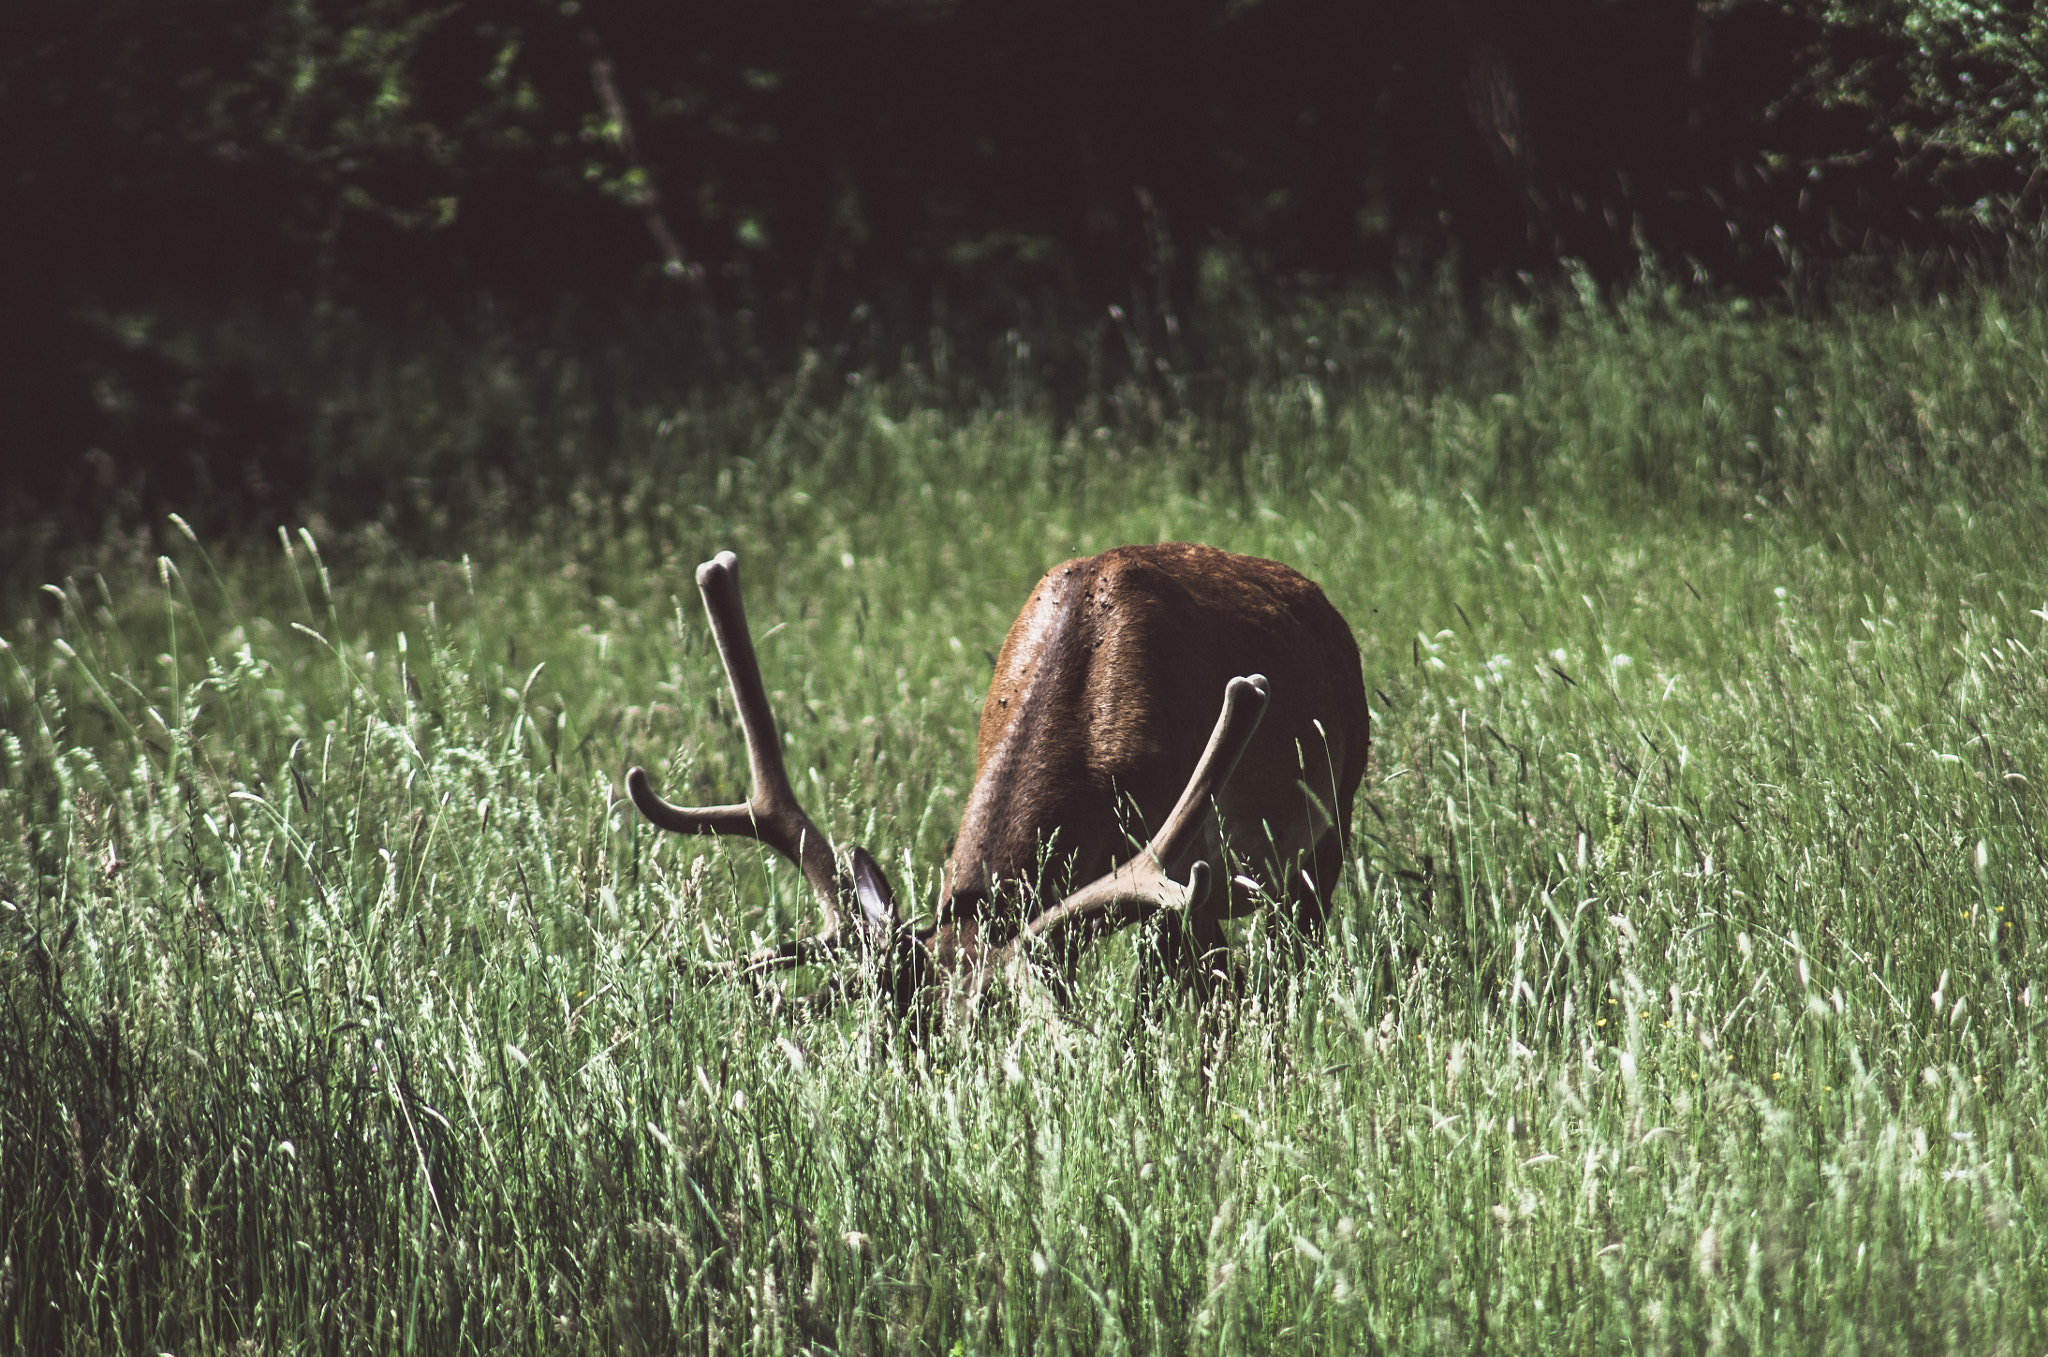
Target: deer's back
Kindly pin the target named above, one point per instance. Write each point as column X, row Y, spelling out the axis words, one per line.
column 1106, row 690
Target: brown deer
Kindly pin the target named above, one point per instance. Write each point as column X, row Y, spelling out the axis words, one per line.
column 1093, row 734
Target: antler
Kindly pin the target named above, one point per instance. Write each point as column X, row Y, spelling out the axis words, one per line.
column 1143, row 886
column 773, row 815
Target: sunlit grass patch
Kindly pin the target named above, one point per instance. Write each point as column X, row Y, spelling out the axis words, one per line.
column 1684, row 991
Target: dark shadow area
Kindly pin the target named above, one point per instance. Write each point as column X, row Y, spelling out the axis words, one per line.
column 1101, row 205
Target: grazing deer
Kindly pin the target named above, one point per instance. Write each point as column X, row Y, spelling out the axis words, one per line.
column 1093, row 734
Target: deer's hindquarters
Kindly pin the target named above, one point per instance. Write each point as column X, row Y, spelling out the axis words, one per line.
column 1101, row 702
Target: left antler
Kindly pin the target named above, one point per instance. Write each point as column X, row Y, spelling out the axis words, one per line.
column 773, row 814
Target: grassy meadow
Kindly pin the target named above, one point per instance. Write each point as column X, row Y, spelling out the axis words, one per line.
column 1685, row 993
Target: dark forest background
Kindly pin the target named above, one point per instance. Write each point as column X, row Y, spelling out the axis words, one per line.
column 762, row 171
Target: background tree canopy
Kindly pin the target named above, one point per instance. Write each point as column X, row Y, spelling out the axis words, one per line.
column 800, row 154
column 785, row 161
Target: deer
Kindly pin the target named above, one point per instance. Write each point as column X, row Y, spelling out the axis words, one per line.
column 1174, row 696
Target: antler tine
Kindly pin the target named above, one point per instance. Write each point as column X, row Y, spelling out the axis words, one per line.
column 773, row 815
column 1143, row 886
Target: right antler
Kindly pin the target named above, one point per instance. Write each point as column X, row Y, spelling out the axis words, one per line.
column 1144, row 886
column 773, row 815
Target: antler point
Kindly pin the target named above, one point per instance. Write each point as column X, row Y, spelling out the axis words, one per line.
column 723, row 564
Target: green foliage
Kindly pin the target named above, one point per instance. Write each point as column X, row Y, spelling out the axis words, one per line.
column 1966, row 82
column 1685, row 991
column 334, row 95
column 1552, row 393
column 389, row 147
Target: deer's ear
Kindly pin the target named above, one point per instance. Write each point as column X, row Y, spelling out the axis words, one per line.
column 877, row 901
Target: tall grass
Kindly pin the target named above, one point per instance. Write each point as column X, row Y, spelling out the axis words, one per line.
column 434, row 424
column 1683, row 995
